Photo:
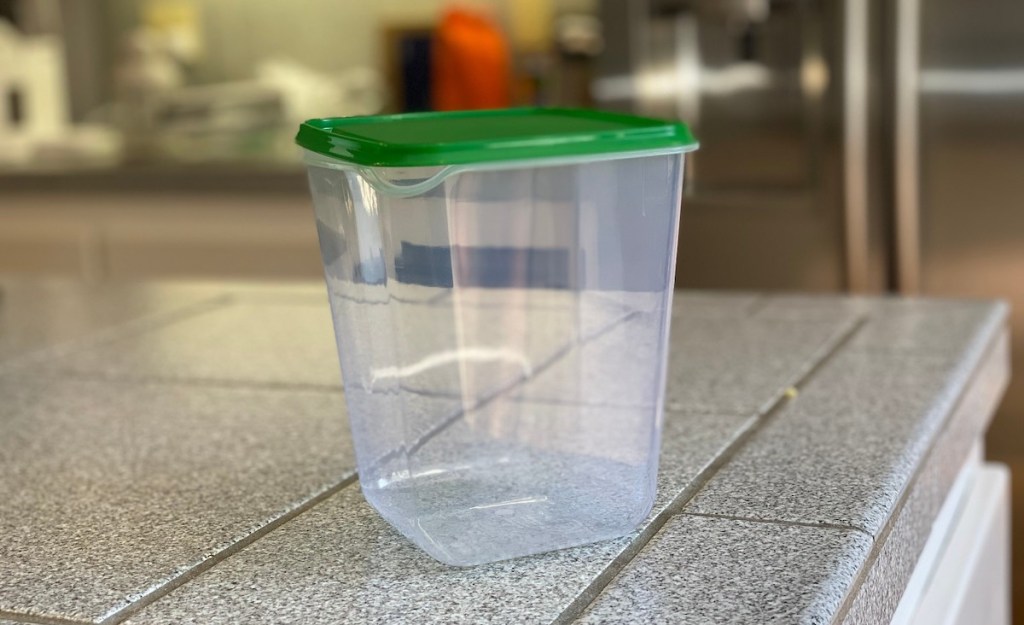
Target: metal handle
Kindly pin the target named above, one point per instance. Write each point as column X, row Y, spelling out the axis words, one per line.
column 855, row 143
column 906, row 147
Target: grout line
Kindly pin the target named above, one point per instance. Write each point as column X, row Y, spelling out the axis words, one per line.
column 883, row 534
column 158, row 592
column 746, row 519
column 605, row 577
column 40, row 620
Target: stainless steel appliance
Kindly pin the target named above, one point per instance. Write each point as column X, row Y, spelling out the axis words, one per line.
column 859, row 145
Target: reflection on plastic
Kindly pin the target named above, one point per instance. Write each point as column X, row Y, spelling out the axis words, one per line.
column 470, row 354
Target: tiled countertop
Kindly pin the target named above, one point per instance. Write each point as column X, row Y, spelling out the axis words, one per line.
column 178, row 453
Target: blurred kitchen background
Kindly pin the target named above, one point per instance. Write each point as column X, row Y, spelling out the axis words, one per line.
column 860, row 146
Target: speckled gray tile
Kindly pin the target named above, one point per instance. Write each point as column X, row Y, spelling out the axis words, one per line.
column 259, row 340
column 743, row 367
column 309, row 292
column 876, row 599
column 818, row 306
column 926, row 326
column 911, row 523
column 340, row 562
column 36, row 314
column 689, row 443
column 702, row 570
column 810, row 305
column 294, row 292
column 715, row 365
column 295, row 296
column 130, row 484
column 280, row 291
column 715, row 304
column 942, row 328
column 802, row 466
column 238, row 342
column 109, row 489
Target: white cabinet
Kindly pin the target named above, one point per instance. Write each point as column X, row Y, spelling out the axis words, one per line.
column 963, row 575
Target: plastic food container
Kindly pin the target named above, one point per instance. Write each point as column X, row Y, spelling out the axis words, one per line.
column 501, row 285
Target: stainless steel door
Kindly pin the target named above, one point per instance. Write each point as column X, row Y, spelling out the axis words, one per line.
column 767, row 86
column 971, row 87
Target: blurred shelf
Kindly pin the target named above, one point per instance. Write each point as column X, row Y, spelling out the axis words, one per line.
column 172, row 178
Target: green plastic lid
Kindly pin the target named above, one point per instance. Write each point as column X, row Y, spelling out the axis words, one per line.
column 457, row 138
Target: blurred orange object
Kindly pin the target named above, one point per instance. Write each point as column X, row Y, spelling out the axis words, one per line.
column 471, row 64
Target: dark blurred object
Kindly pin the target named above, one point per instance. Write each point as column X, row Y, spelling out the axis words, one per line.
column 33, row 17
column 8, row 11
column 485, row 267
column 416, row 52
column 471, row 63
column 408, row 51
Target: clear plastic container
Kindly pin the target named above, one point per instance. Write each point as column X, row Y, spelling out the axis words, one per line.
column 502, row 324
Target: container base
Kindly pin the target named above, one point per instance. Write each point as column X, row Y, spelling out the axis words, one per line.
column 470, row 516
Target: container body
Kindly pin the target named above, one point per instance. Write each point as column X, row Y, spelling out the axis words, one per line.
column 502, row 334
